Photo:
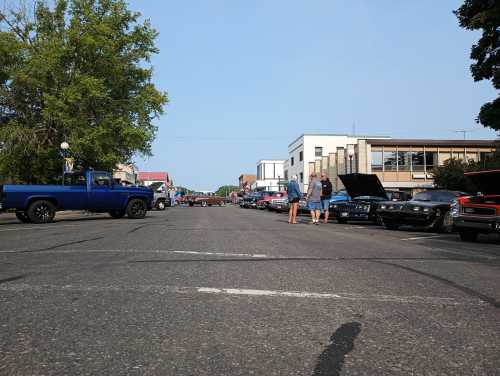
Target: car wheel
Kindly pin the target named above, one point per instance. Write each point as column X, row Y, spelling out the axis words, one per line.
column 117, row 213
column 468, row 236
column 41, row 211
column 23, row 217
column 160, row 205
column 222, row 203
column 342, row 221
column 391, row 226
column 204, row 204
column 191, row 204
column 446, row 224
column 136, row 209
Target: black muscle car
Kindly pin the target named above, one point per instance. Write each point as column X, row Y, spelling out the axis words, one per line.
column 366, row 193
column 428, row 209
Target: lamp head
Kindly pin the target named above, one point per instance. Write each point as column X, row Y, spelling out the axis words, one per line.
column 64, row 145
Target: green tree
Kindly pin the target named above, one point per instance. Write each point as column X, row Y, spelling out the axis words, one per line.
column 451, row 176
column 80, row 72
column 224, row 190
column 484, row 15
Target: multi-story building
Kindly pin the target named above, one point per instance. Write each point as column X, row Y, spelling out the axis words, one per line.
column 404, row 164
column 311, row 148
column 246, row 181
column 270, row 175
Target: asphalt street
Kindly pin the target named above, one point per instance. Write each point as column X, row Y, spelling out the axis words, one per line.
column 230, row 291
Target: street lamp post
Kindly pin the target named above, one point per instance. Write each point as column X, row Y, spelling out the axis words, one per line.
column 64, row 149
column 350, row 153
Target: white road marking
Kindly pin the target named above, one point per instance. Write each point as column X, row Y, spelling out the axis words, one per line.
column 422, row 237
column 132, row 251
column 159, row 289
column 224, row 254
column 41, row 227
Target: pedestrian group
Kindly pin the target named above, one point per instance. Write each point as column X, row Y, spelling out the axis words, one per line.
column 318, row 198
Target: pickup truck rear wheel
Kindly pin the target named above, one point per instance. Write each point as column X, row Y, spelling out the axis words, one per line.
column 41, row 211
column 117, row 213
column 23, row 217
column 136, row 209
column 204, row 204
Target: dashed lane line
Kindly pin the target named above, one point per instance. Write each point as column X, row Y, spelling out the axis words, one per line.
column 422, row 237
column 161, row 290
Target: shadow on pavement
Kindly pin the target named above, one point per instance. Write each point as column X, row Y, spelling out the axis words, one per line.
column 331, row 360
column 11, row 279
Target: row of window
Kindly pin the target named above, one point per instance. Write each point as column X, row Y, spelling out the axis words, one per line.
column 318, row 152
column 416, row 160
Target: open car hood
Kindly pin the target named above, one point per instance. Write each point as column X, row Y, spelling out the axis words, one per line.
column 487, row 182
column 363, row 185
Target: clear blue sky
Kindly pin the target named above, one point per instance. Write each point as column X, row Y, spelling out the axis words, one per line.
column 246, row 77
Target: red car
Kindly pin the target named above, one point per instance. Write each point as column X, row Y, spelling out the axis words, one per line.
column 480, row 214
column 264, row 202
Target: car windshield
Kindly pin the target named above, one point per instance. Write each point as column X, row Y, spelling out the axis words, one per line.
column 436, row 196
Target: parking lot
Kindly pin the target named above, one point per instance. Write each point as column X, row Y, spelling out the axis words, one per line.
column 228, row 291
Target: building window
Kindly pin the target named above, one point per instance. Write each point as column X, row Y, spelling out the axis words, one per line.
column 318, row 151
column 458, row 155
column 390, row 161
column 291, row 161
column 301, row 156
column 404, row 160
column 431, row 160
column 301, row 177
column 377, row 161
column 417, row 161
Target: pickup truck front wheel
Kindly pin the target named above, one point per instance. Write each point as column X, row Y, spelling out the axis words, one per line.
column 136, row 209
column 41, row 211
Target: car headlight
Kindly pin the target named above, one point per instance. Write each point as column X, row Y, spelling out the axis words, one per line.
column 426, row 210
column 383, row 206
column 416, row 208
column 335, row 206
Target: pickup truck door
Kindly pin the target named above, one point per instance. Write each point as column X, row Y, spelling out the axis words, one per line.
column 102, row 196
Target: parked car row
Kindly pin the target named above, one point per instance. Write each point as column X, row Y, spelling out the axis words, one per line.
column 365, row 199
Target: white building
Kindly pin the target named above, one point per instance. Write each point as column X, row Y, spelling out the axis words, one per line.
column 309, row 148
column 270, row 175
column 400, row 164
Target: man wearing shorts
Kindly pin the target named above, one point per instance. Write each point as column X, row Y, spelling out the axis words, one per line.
column 314, row 198
column 326, row 195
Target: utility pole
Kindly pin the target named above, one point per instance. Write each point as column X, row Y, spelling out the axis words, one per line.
column 464, row 132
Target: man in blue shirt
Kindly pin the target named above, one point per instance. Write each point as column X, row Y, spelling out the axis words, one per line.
column 294, row 196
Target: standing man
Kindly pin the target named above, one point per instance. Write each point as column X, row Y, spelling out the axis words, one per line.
column 294, row 196
column 314, row 198
column 326, row 195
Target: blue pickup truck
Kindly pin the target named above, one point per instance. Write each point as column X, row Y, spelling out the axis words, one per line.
column 94, row 191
